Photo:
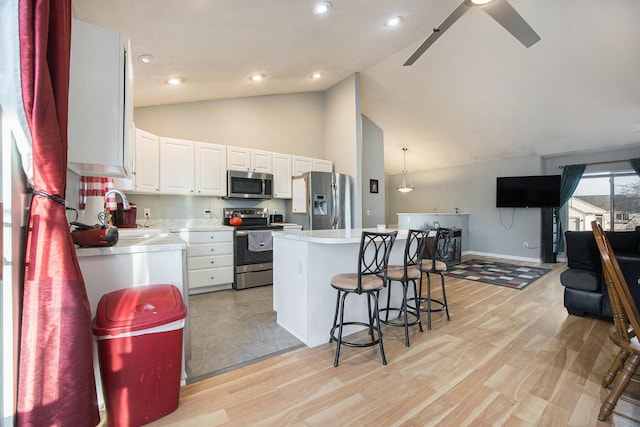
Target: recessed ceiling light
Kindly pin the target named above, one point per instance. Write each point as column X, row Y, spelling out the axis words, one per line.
column 146, row 58
column 392, row 22
column 175, row 80
column 316, row 76
column 321, row 8
column 480, row 2
column 257, row 77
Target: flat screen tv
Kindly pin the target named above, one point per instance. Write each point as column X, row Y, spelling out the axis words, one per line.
column 541, row 191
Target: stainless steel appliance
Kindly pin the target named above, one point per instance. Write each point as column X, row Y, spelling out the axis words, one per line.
column 249, row 185
column 252, row 266
column 328, row 201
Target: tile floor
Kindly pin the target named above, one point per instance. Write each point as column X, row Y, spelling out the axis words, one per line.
column 233, row 328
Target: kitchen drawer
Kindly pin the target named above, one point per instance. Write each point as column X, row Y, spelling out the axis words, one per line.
column 210, row 276
column 211, row 249
column 198, row 263
column 207, row 236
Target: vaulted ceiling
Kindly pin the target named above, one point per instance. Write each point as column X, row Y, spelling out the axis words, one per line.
column 477, row 94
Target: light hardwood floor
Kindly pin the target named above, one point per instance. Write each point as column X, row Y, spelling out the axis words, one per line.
column 506, row 358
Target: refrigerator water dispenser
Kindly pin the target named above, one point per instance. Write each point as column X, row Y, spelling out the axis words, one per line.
column 319, row 204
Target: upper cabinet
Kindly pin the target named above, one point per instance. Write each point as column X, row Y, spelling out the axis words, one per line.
column 146, row 172
column 211, row 169
column 281, row 176
column 100, row 102
column 177, row 166
column 320, row 165
column 300, row 165
column 245, row 159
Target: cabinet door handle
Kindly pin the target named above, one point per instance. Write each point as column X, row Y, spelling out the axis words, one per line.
column 213, row 262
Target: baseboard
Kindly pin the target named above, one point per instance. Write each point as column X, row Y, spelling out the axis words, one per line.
column 503, row 256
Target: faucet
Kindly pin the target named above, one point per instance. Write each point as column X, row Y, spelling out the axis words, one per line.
column 125, row 205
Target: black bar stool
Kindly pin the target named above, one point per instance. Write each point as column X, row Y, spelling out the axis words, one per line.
column 373, row 259
column 435, row 254
column 410, row 271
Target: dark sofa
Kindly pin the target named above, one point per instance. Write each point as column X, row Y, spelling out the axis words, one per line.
column 584, row 290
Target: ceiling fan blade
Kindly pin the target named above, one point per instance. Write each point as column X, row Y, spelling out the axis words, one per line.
column 511, row 20
column 437, row 32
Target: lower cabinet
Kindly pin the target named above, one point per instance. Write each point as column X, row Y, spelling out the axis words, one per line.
column 209, row 260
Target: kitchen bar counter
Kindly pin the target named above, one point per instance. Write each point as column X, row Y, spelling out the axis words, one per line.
column 303, row 264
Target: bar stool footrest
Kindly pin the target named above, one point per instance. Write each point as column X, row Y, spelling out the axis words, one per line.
column 440, row 306
column 333, row 337
column 411, row 312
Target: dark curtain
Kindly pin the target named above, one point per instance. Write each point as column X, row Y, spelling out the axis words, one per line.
column 571, row 176
column 635, row 164
column 56, row 386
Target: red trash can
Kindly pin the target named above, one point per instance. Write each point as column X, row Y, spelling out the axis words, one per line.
column 139, row 332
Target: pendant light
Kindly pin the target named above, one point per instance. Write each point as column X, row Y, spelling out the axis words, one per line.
column 404, row 187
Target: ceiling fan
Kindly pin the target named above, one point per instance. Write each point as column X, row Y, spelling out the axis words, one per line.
column 500, row 10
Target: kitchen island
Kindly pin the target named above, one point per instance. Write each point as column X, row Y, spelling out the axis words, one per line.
column 303, row 264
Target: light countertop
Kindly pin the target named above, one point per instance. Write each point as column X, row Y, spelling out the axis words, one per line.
column 137, row 240
column 331, row 237
column 432, row 213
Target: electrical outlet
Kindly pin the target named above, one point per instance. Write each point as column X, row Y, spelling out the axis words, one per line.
column 147, row 213
column 525, row 244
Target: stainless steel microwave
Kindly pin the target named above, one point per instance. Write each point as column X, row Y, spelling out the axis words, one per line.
column 249, row 185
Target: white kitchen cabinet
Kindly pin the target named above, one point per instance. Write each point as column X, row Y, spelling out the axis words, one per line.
column 100, row 102
column 209, row 260
column 146, row 172
column 261, row 161
column 177, row 166
column 321, row 165
column 300, row 165
column 281, row 176
column 246, row 159
column 211, row 169
column 238, row 159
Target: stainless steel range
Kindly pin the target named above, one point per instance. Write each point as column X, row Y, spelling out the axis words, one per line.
column 253, row 260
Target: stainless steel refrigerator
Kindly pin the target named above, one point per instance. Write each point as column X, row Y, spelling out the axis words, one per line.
column 321, row 201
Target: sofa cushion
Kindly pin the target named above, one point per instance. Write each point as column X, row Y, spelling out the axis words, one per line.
column 624, row 241
column 581, row 279
column 582, row 251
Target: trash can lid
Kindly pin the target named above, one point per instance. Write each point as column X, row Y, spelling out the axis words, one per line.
column 135, row 309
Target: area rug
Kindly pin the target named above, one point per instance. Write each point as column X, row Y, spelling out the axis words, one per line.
column 497, row 273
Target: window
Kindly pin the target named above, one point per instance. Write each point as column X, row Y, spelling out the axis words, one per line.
column 612, row 198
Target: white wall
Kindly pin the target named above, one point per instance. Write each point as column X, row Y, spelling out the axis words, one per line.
column 343, row 136
column 373, row 205
column 290, row 124
column 472, row 189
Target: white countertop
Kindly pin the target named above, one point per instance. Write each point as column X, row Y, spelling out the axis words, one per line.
column 431, row 213
column 331, row 237
column 136, row 240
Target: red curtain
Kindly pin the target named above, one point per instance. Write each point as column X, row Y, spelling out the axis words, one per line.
column 55, row 378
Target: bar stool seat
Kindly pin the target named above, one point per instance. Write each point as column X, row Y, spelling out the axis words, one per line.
column 410, row 271
column 373, row 259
